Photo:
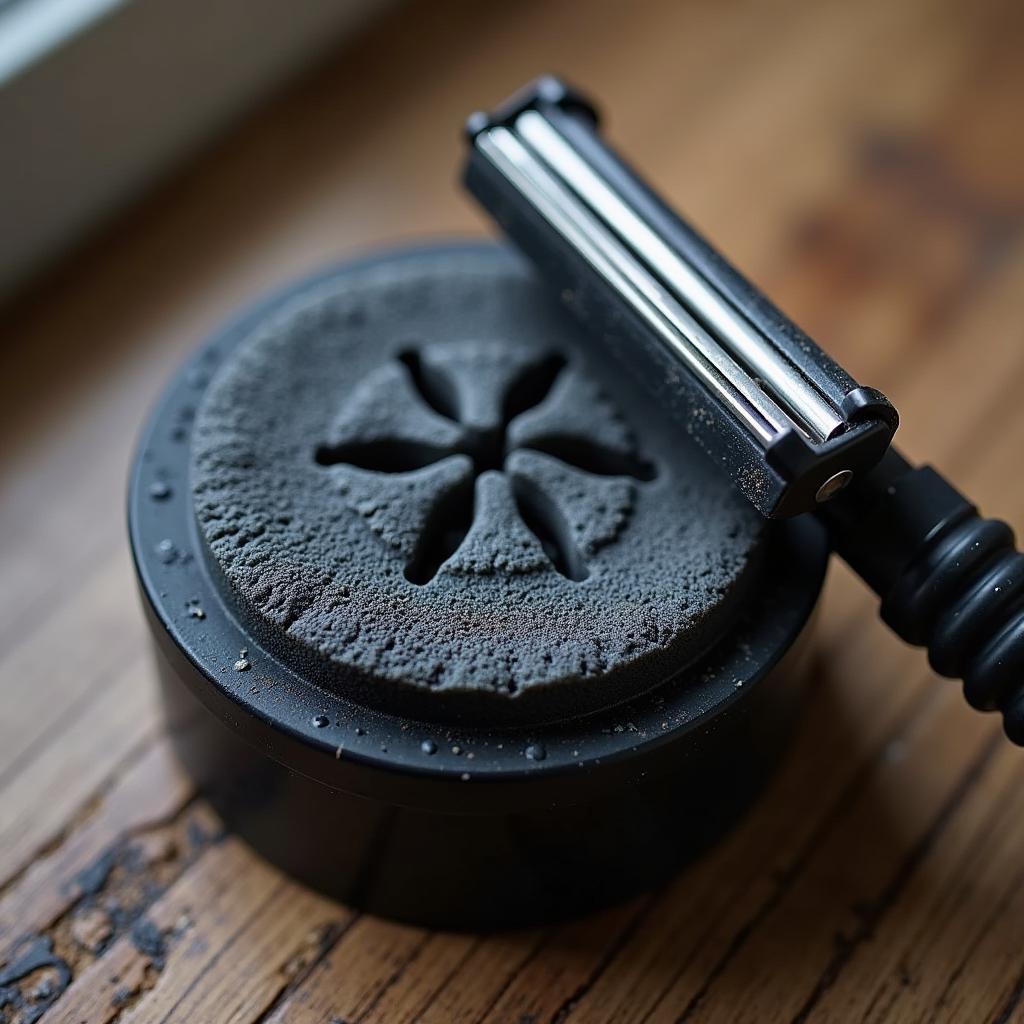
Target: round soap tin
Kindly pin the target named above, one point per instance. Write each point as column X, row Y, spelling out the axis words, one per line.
column 438, row 816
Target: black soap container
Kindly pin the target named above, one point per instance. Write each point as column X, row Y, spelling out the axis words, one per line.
column 448, row 622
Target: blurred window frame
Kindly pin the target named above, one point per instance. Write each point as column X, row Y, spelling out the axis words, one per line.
column 99, row 98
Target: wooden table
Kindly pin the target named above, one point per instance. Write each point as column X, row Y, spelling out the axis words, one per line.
column 865, row 164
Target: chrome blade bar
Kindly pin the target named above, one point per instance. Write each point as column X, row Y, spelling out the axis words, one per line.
column 805, row 404
column 717, row 370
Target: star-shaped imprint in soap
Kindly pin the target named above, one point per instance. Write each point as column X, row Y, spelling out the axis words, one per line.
column 475, row 457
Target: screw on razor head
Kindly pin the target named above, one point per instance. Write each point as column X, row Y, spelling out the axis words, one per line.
column 833, row 485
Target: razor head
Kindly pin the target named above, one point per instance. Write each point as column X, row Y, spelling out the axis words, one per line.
column 789, row 424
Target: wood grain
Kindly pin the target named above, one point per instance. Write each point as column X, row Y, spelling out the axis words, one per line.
column 865, row 164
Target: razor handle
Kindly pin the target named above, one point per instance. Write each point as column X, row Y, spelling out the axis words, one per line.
column 949, row 580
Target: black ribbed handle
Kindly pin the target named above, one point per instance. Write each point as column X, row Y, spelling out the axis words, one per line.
column 949, row 580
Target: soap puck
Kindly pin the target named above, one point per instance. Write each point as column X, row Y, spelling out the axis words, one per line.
column 457, row 627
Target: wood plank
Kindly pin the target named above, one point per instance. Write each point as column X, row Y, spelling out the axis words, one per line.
column 223, row 943
column 42, row 800
column 152, row 790
column 356, row 974
column 56, row 668
column 842, row 890
column 550, row 979
column 488, row 974
column 404, row 1000
column 959, row 917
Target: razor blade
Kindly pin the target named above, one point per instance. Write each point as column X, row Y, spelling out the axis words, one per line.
column 757, row 394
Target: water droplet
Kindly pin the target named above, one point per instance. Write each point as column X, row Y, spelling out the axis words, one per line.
column 243, row 664
column 194, row 610
column 536, row 752
column 166, row 551
column 321, row 721
column 464, row 776
column 159, row 490
column 337, row 753
column 428, row 747
column 360, row 731
column 456, row 750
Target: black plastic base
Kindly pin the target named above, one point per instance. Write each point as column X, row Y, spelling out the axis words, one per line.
column 467, row 826
column 480, row 871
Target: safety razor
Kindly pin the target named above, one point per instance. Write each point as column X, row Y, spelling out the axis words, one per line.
column 795, row 432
